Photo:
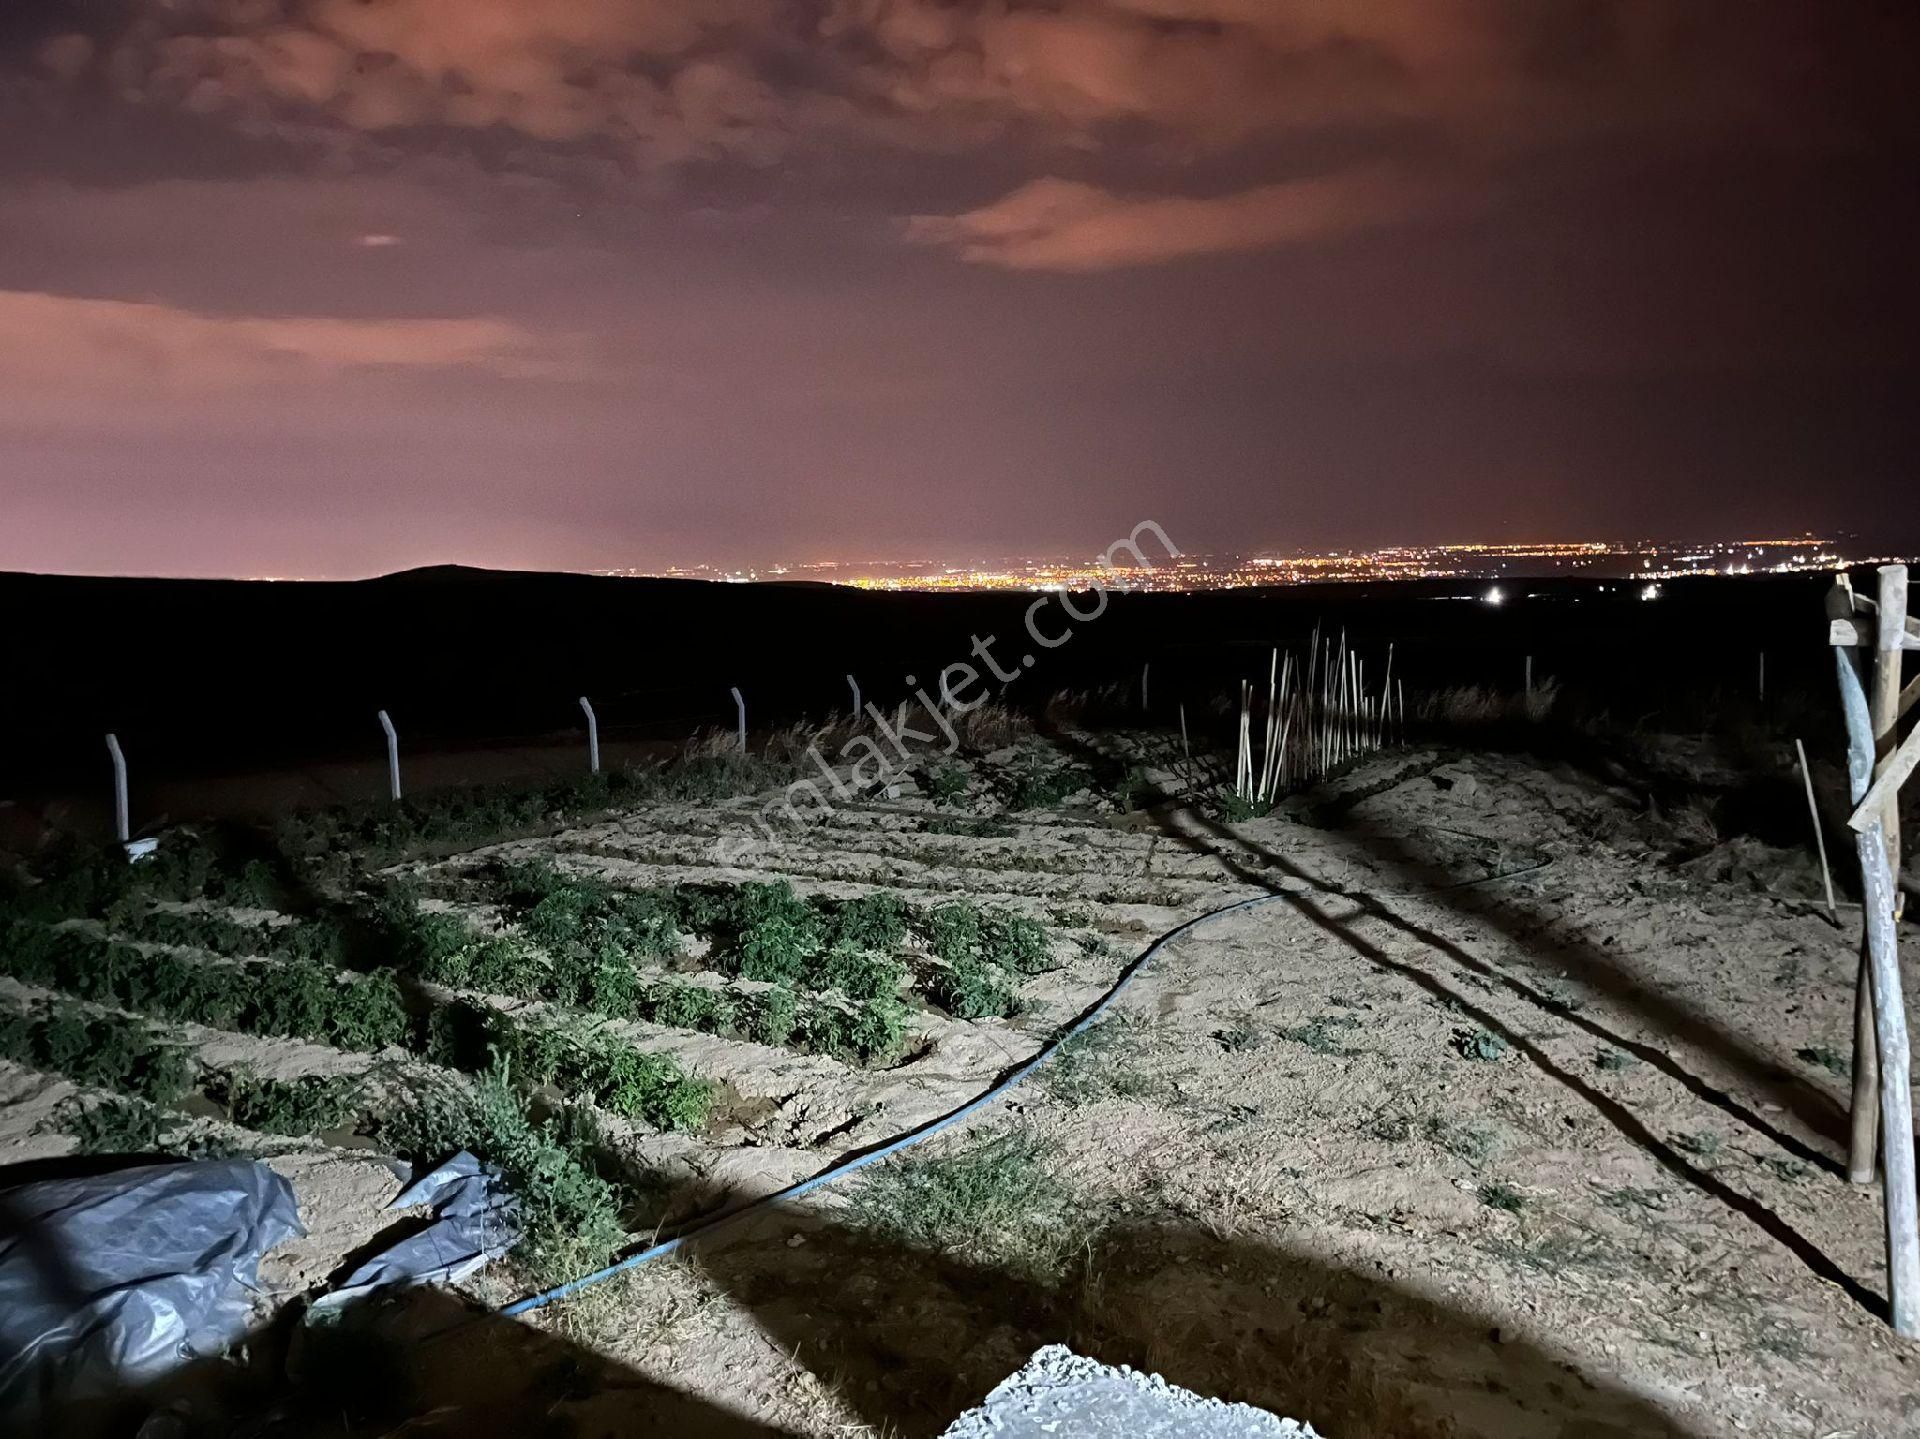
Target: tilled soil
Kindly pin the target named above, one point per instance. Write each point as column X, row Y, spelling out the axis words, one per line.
column 1512, row 1113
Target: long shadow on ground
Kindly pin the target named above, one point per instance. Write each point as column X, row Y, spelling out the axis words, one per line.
column 911, row 1339
column 1340, row 912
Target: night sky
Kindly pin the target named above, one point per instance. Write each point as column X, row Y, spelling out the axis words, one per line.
column 333, row 287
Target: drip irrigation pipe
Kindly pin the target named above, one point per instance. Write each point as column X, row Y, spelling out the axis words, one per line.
column 926, row 1131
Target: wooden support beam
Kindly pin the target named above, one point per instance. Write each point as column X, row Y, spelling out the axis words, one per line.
column 1896, row 1093
column 1890, row 775
column 1865, row 633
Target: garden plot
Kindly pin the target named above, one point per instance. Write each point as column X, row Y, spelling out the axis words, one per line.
column 635, row 1033
column 794, row 1101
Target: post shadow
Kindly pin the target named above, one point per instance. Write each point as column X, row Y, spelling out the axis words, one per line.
column 1257, row 865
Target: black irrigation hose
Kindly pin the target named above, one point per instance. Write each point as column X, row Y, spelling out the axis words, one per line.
column 932, row 1126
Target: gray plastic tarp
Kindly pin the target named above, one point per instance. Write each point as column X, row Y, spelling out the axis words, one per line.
column 475, row 1220
column 114, row 1279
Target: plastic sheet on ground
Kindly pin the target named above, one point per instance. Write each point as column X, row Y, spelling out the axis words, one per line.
column 114, row 1279
column 475, row 1221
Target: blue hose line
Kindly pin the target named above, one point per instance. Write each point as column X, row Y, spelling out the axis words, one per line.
column 892, row 1146
column 952, row 1117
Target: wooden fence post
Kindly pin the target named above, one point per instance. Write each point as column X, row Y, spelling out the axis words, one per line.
column 1884, row 701
column 1872, row 712
column 1896, row 1093
column 740, row 708
column 854, row 685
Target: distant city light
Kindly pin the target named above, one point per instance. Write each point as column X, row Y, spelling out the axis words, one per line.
column 1645, row 562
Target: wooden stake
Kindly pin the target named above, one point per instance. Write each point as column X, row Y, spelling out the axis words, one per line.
column 1185, row 748
column 1819, row 834
column 1896, row 1095
column 1884, row 701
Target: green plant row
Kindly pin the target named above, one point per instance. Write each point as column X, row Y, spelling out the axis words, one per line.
column 301, row 999
column 100, row 1051
column 443, row 950
column 296, row 998
column 319, row 940
column 766, row 932
column 485, row 814
column 866, row 1031
column 84, row 881
column 575, row 1058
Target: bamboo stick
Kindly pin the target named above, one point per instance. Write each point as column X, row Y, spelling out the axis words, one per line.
column 1819, row 833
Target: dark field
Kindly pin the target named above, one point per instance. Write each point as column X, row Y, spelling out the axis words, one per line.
column 481, row 670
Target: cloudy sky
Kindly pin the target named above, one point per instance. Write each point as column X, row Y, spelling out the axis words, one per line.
column 331, row 287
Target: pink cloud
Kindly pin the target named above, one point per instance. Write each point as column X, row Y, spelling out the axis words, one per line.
column 85, row 345
column 1055, row 224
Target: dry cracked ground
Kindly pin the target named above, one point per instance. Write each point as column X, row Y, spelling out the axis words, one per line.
column 1514, row 1106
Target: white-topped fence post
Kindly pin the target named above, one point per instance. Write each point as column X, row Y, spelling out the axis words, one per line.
column 393, row 757
column 121, row 830
column 740, row 708
column 593, row 736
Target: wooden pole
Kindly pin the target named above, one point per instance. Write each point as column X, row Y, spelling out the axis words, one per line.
column 1865, row 1108
column 1896, row 1095
column 1871, row 712
column 1884, row 701
column 1819, row 834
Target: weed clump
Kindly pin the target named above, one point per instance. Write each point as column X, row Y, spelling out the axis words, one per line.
column 1480, row 1044
column 1503, row 1196
column 1321, row 1034
column 1825, row 1056
column 288, row 1106
column 570, row 1214
column 993, row 1203
column 944, row 784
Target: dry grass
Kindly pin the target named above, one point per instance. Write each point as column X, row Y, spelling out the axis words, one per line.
column 991, row 726
column 1480, row 706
